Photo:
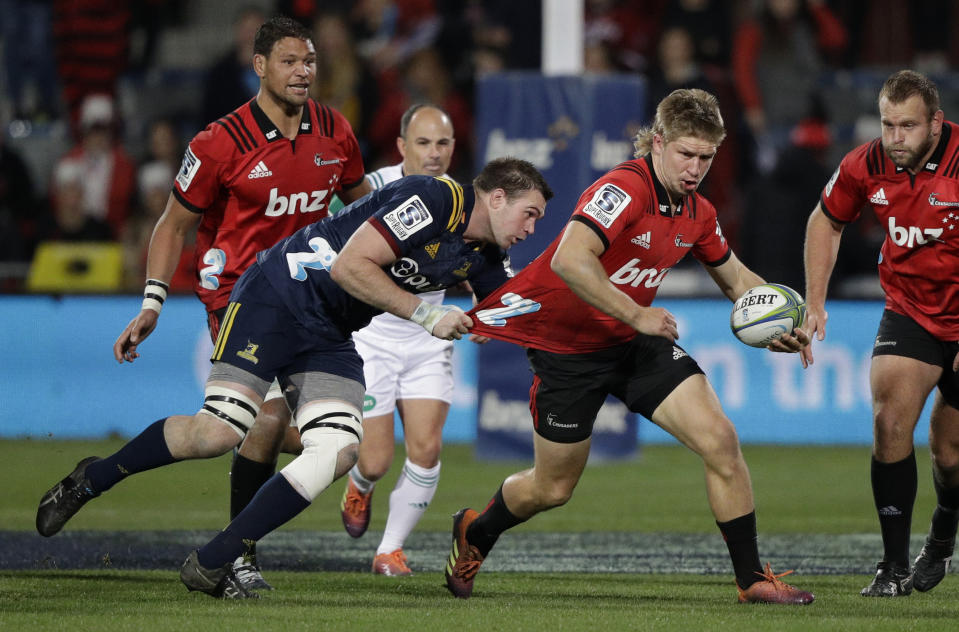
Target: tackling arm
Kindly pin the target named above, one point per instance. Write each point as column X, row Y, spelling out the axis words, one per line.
column 576, row 262
column 358, row 269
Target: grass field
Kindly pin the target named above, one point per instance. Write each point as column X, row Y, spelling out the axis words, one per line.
column 646, row 519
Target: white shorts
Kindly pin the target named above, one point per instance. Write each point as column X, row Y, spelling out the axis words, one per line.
column 413, row 366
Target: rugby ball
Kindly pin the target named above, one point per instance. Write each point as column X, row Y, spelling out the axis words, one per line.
column 764, row 313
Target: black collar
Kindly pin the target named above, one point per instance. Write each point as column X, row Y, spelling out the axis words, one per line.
column 270, row 131
column 662, row 197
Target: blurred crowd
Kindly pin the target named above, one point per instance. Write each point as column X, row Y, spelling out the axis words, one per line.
column 64, row 62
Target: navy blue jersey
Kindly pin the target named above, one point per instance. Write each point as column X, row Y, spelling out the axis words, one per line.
column 422, row 218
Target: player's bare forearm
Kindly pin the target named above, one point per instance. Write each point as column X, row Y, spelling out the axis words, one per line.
column 169, row 235
column 733, row 277
column 819, row 255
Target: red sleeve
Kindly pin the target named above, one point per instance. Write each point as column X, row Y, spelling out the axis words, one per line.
column 607, row 205
column 844, row 195
column 711, row 248
column 197, row 184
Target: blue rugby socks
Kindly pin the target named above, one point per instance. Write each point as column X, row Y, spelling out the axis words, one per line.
column 146, row 451
column 275, row 504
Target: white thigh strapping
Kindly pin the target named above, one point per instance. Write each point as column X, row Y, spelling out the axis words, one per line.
column 227, row 405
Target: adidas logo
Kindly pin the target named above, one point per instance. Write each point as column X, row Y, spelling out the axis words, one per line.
column 879, row 197
column 260, row 171
column 678, row 353
column 889, row 510
column 642, row 240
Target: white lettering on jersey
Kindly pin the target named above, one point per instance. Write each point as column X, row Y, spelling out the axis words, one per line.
column 719, row 232
column 832, row 181
column 409, row 271
column 913, row 235
column 515, row 304
column 321, row 257
column 607, row 203
column 630, row 274
column 407, row 218
column 287, row 204
column 216, row 262
column 188, row 169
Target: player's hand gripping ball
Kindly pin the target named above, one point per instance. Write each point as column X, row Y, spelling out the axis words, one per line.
column 766, row 312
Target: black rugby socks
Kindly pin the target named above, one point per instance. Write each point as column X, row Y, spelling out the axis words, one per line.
column 742, row 542
column 495, row 519
column 894, row 492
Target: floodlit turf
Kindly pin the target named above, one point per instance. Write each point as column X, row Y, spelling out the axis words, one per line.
column 154, row 600
column 802, row 493
column 797, row 489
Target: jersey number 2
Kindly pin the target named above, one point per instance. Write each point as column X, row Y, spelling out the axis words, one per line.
column 321, row 258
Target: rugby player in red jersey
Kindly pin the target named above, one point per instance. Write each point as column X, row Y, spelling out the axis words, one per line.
column 248, row 180
column 910, row 178
column 583, row 310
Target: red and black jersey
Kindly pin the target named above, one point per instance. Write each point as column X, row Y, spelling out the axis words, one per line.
column 254, row 186
column 630, row 212
column 919, row 259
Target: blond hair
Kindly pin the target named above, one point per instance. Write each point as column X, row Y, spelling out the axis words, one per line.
column 684, row 112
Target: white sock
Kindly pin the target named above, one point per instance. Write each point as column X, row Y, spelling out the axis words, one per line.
column 408, row 502
column 364, row 485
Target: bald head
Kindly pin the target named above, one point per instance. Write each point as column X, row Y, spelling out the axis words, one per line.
column 426, row 141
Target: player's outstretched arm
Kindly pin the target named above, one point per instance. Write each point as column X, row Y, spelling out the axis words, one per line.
column 166, row 245
column 819, row 254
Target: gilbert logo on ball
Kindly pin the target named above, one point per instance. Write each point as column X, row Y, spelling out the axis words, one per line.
column 766, row 312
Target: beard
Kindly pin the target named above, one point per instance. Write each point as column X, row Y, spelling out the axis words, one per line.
column 910, row 161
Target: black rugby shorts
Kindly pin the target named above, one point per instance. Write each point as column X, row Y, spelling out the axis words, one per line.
column 569, row 389
column 900, row 335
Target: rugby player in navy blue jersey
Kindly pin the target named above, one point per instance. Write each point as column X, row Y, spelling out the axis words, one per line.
column 291, row 316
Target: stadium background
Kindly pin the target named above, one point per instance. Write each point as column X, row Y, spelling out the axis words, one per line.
column 573, row 120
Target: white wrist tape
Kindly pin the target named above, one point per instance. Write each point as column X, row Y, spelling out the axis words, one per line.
column 427, row 315
column 154, row 294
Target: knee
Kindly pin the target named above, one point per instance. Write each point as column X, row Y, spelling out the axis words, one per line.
column 202, row 436
column 891, row 424
column 291, row 441
column 346, row 458
column 721, row 452
column 425, row 452
column 374, row 467
column 554, row 493
column 945, row 459
column 273, row 418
